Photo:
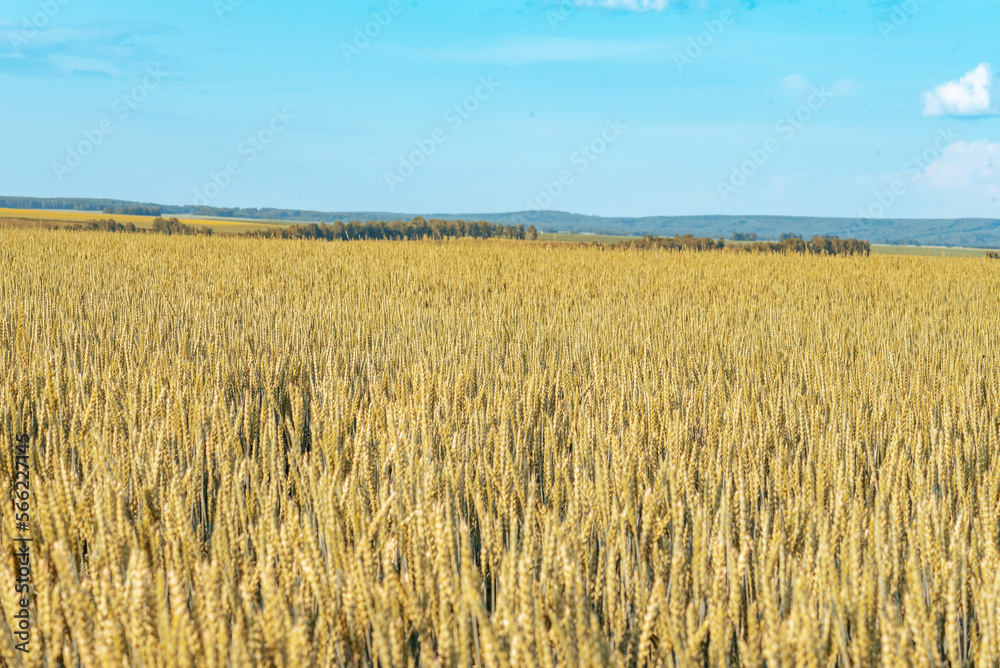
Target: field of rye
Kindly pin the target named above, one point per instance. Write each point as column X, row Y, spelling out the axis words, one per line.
column 255, row 452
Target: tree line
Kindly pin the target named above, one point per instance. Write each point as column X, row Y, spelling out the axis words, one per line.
column 415, row 229
column 819, row 245
column 134, row 210
column 418, row 228
column 678, row 242
column 168, row 226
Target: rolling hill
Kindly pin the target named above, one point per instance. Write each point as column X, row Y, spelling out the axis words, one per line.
column 964, row 232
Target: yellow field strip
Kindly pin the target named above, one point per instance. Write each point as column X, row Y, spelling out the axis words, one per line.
column 141, row 221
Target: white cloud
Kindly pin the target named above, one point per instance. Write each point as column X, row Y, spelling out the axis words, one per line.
column 969, row 96
column 969, row 168
column 627, row 5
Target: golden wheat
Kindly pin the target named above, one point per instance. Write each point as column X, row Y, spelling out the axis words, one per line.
column 252, row 452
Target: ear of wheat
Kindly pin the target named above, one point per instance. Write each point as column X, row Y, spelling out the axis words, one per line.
column 485, row 453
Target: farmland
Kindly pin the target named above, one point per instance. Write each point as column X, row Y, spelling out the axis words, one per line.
column 47, row 219
column 498, row 453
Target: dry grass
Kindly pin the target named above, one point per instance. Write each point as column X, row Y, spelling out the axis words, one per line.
column 255, row 452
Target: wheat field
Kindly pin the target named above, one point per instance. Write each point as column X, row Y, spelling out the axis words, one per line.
column 259, row 452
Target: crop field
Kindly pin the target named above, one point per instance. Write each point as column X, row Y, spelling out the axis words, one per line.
column 583, row 238
column 876, row 249
column 47, row 218
column 929, row 251
column 248, row 452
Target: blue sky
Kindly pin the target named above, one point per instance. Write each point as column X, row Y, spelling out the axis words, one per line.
column 607, row 107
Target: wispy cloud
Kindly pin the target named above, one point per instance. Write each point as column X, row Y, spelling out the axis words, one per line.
column 74, row 65
column 970, row 168
column 550, row 50
column 651, row 5
column 969, row 96
column 797, row 84
column 628, row 5
column 104, row 49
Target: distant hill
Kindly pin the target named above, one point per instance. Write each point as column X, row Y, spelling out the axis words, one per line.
column 968, row 232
